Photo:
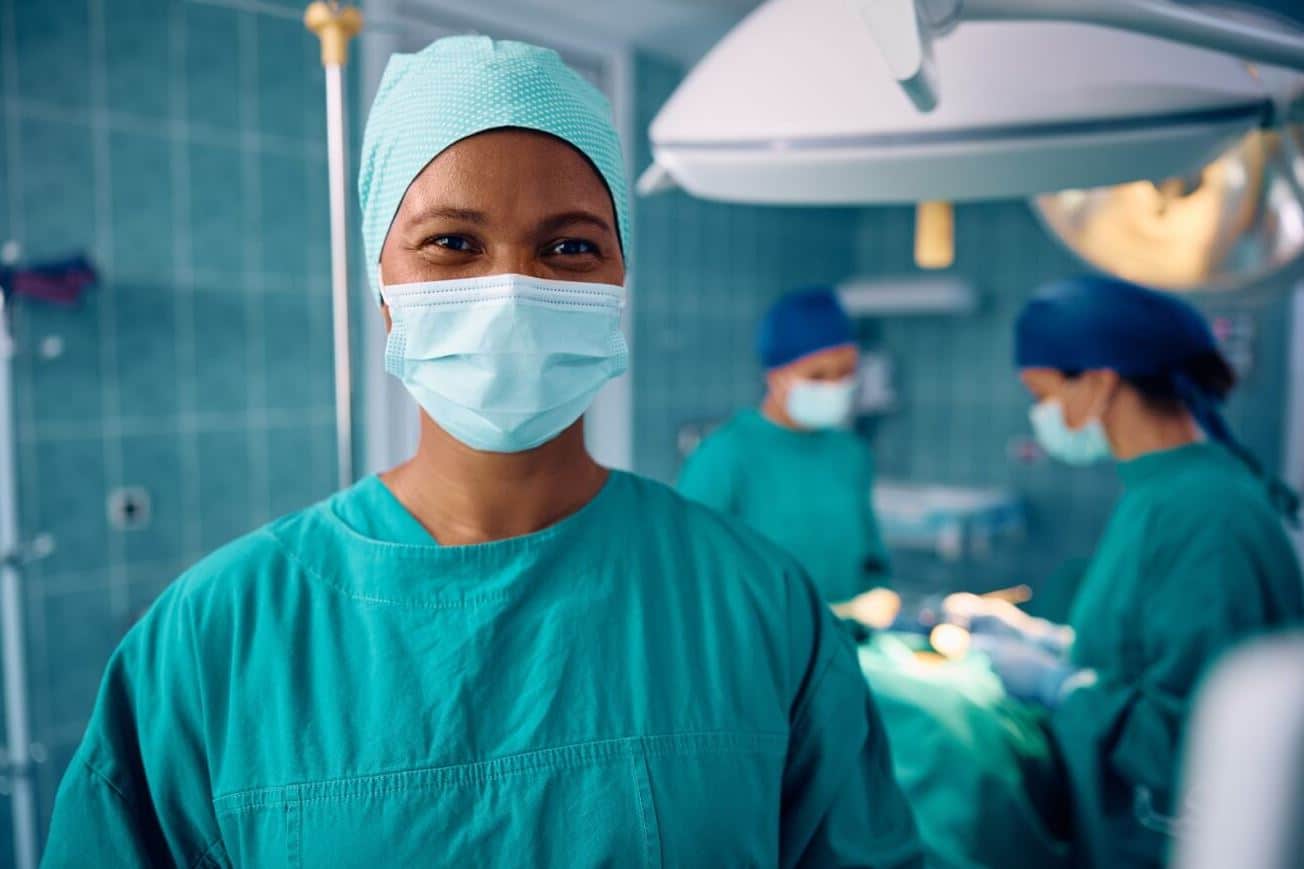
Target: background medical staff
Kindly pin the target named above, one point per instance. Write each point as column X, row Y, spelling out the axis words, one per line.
column 497, row 653
column 1194, row 560
column 793, row 469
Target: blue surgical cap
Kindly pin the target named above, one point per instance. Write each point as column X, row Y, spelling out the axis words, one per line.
column 1092, row 322
column 1089, row 322
column 463, row 85
column 804, row 321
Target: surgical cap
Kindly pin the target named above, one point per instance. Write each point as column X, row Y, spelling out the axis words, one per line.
column 1092, row 322
column 804, row 321
column 463, row 85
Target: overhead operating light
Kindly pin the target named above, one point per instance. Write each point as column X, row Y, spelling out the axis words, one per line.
column 880, row 101
column 1236, row 222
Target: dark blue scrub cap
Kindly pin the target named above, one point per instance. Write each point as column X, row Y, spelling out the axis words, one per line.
column 1092, row 322
column 1084, row 323
column 804, row 321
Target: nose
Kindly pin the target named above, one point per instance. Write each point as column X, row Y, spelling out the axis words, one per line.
column 519, row 259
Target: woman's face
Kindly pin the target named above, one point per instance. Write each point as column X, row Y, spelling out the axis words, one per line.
column 505, row 201
column 1084, row 398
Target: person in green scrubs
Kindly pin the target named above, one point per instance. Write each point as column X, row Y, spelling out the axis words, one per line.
column 793, row 469
column 1195, row 558
column 499, row 652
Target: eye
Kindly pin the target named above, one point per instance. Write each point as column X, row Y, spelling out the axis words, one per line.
column 455, row 243
column 571, row 247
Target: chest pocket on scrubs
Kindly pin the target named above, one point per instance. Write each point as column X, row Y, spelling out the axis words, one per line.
column 581, row 805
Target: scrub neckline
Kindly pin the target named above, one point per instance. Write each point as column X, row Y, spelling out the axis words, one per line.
column 383, row 516
column 426, row 575
column 1163, row 463
column 561, row 526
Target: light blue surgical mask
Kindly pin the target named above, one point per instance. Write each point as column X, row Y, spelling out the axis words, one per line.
column 1079, row 447
column 505, row 363
column 817, row 404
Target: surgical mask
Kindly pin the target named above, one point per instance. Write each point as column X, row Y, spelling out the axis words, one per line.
column 816, row 404
column 1080, row 447
column 505, row 363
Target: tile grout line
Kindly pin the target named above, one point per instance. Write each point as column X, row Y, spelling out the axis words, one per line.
column 192, row 529
column 110, row 400
column 71, row 582
column 255, row 349
column 199, row 134
column 186, row 422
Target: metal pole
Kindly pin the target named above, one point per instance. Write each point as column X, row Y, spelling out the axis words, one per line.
column 16, row 765
column 335, row 26
column 338, row 167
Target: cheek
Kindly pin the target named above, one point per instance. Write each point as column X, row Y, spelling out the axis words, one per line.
column 1077, row 404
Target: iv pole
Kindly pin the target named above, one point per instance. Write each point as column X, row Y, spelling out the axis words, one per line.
column 335, row 25
column 16, row 762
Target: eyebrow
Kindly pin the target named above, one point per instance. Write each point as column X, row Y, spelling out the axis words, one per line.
column 549, row 224
column 557, row 221
column 470, row 215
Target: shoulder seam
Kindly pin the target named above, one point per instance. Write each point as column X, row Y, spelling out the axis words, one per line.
column 105, row 780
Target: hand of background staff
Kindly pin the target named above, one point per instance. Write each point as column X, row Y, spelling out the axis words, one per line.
column 876, row 608
column 999, row 618
column 1029, row 673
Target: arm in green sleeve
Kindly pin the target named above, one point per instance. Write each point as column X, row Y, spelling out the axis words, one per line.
column 1205, row 600
column 1121, row 736
column 137, row 791
column 709, row 476
column 94, row 824
column 841, row 805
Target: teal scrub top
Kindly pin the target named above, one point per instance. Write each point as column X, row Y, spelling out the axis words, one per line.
column 642, row 683
column 808, row 491
column 1194, row 560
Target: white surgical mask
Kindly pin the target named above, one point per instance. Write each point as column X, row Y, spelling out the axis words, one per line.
column 1080, row 447
column 505, row 363
column 816, row 404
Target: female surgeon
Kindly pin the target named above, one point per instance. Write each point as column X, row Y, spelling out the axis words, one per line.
column 498, row 653
column 792, row 469
column 1195, row 557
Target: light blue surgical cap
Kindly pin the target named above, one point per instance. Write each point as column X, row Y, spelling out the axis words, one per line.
column 463, row 85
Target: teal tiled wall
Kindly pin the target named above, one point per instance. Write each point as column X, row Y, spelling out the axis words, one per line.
column 182, row 146
column 703, row 273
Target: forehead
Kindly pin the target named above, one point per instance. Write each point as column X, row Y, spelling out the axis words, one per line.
column 1041, row 381
column 508, row 169
column 846, row 354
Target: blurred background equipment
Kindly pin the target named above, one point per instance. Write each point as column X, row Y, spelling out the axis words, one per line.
column 1236, row 221
column 951, row 521
column 1243, row 801
column 938, row 102
column 1019, row 106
